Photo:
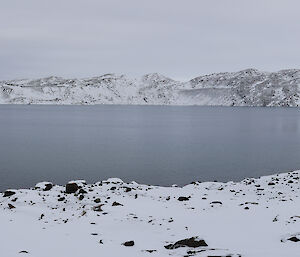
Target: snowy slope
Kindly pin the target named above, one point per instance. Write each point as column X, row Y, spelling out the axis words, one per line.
column 252, row 218
column 244, row 88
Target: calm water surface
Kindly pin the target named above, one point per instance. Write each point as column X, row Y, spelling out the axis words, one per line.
column 159, row 145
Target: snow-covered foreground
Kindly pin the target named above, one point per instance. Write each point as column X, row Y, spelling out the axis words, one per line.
column 255, row 217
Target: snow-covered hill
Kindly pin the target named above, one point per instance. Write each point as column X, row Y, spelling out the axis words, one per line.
column 244, row 88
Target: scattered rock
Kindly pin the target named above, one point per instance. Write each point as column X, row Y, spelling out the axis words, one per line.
column 216, row 202
column 10, row 206
column 98, row 208
column 150, row 251
column 294, row 239
column 8, row 193
column 127, row 189
column 82, row 191
column 45, row 186
column 128, row 243
column 116, row 204
column 183, row 198
column 189, row 242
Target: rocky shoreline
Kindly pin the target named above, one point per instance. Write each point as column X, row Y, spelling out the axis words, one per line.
column 254, row 217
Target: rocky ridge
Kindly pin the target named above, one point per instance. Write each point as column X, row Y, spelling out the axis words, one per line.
column 244, row 88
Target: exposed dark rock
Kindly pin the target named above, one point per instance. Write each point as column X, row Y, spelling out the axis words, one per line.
column 23, row 252
column 128, row 243
column 127, row 189
column 150, row 251
column 71, row 188
column 10, row 206
column 82, row 191
column 251, row 203
column 98, row 207
column 216, row 202
column 183, row 198
column 61, row 199
column 97, row 200
column 81, row 197
column 189, row 242
column 116, row 204
column 294, row 239
column 48, row 187
column 8, row 193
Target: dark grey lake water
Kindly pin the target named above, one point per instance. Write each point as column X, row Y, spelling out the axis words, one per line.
column 159, row 145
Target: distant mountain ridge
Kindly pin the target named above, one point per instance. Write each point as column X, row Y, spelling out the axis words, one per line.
column 249, row 87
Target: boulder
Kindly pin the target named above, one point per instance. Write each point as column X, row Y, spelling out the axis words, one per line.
column 116, row 204
column 10, row 206
column 294, row 239
column 97, row 200
column 71, row 188
column 216, row 202
column 189, row 242
column 8, row 193
column 82, row 191
column 98, row 207
column 45, row 186
column 48, row 187
column 128, row 243
column 183, row 198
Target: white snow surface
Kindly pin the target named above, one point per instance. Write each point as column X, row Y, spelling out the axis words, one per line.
column 254, row 217
column 244, row 88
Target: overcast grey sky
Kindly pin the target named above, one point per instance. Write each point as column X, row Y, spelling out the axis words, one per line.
column 180, row 39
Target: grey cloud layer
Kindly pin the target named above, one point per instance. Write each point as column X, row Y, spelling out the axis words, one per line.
column 181, row 39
